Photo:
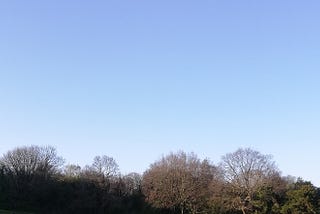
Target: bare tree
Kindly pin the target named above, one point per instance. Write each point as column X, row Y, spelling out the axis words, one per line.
column 245, row 171
column 105, row 166
column 132, row 182
column 89, row 173
column 28, row 161
column 29, row 167
column 72, row 170
column 179, row 181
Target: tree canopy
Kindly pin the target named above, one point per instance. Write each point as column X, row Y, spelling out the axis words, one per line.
column 33, row 178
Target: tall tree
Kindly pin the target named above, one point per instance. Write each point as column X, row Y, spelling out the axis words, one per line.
column 33, row 160
column 179, row 182
column 302, row 198
column 105, row 166
column 30, row 170
column 246, row 171
column 72, row 171
column 132, row 183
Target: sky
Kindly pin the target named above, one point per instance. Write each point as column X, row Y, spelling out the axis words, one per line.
column 135, row 80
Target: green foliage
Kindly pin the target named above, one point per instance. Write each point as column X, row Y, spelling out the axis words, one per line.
column 265, row 201
column 302, row 198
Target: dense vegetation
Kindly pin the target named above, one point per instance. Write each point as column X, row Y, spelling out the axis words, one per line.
column 34, row 179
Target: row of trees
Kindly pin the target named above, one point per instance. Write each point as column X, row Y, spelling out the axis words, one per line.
column 34, row 179
column 245, row 181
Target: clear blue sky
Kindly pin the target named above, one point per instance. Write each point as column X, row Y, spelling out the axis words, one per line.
column 138, row 79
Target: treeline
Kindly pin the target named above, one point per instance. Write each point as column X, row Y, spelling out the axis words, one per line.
column 35, row 179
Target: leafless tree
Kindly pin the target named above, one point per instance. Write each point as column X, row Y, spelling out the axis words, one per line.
column 89, row 173
column 245, row 171
column 30, row 166
column 72, row 170
column 105, row 166
column 27, row 161
column 179, row 181
column 132, row 182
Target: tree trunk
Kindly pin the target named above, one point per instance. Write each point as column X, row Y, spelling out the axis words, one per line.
column 243, row 210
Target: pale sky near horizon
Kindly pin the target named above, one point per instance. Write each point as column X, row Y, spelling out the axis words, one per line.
column 137, row 79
